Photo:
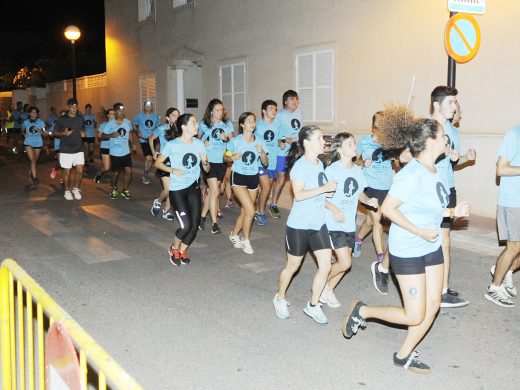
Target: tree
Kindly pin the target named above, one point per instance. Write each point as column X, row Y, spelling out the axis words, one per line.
column 29, row 77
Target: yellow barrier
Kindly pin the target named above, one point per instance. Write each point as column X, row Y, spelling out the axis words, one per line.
column 90, row 353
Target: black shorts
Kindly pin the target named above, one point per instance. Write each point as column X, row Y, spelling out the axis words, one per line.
column 415, row 265
column 104, row 150
column 160, row 173
column 380, row 195
column 447, row 222
column 145, row 147
column 34, row 147
column 251, row 182
column 297, row 240
column 89, row 140
column 217, row 170
column 342, row 239
column 119, row 162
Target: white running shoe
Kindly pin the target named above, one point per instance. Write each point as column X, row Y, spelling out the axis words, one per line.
column 76, row 193
column 280, row 306
column 247, row 248
column 316, row 313
column 507, row 282
column 329, row 298
column 68, row 195
column 235, row 240
column 499, row 296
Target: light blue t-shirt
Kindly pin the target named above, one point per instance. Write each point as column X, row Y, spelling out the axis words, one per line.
column 119, row 146
column 146, row 123
column 268, row 133
column 19, row 115
column 351, row 182
column 424, row 198
column 216, row 147
column 444, row 166
column 247, row 164
column 308, row 213
column 105, row 144
column 90, row 122
column 33, row 129
column 186, row 157
column 379, row 174
column 509, row 190
column 287, row 124
column 160, row 132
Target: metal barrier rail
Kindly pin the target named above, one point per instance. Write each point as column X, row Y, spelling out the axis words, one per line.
column 108, row 370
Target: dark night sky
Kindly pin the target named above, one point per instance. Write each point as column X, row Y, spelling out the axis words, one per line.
column 34, row 29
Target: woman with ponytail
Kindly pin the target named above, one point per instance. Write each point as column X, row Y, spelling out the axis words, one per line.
column 415, row 204
column 342, row 207
column 306, row 222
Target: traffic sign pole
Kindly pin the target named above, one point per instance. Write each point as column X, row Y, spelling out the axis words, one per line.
column 452, row 66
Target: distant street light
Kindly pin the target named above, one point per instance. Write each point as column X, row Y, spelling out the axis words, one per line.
column 72, row 33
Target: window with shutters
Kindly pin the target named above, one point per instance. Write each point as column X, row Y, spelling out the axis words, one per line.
column 147, row 89
column 233, row 89
column 315, row 85
column 180, row 3
column 146, row 9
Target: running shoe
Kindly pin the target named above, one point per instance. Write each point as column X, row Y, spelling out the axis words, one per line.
column 280, row 307
column 168, row 215
column 328, row 297
column 202, row 224
column 453, row 292
column 126, row 194
column 499, row 296
column 507, row 282
column 220, row 215
column 68, row 195
column 175, row 256
column 452, row 301
column 97, row 178
column 356, row 252
column 260, row 218
column 235, row 240
column 353, row 320
column 146, row 180
column 316, row 313
column 76, row 193
column 246, row 247
column 215, row 229
column 273, row 210
column 185, row 259
column 412, row 363
column 54, row 173
column 113, row 193
column 156, row 207
column 379, row 278
column 230, row 203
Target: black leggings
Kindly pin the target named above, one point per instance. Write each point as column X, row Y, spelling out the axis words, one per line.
column 187, row 205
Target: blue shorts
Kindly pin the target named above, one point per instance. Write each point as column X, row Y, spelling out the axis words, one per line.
column 281, row 164
column 269, row 172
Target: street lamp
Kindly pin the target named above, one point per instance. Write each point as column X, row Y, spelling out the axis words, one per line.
column 72, row 33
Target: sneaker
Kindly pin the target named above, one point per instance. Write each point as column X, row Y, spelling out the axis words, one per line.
column 261, row 220
column 53, row 173
column 353, row 320
column 280, row 306
column 113, row 193
column 356, row 252
column 316, row 313
column 97, row 178
column 175, row 257
column 329, row 298
column 380, row 279
column 235, row 240
column 499, row 296
column 246, row 247
column 76, row 193
column 215, row 229
column 448, row 300
column 202, row 224
column 126, row 194
column 146, row 180
column 453, row 292
column 220, row 214
column 412, row 363
column 68, row 195
column 168, row 215
column 185, row 259
column 507, row 282
column 156, row 207
column 230, row 203
column 273, row 210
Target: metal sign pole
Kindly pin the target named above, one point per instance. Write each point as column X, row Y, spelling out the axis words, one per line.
column 452, row 70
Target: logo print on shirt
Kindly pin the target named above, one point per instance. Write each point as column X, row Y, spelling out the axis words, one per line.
column 88, row 122
column 248, row 157
column 322, row 179
column 444, row 196
column 122, row 131
column 189, row 160
column 215, row 134
column 148, row 123
column 33, row 130
column 379, row 156
column 295, row 124
column 269, row 135
column 350, row 187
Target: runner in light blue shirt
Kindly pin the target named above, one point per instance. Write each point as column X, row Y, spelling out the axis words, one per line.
column 89, row 141
column 144, row 125
column 104, row 146
column 32, row 129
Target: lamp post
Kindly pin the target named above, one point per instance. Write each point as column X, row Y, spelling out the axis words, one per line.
column 72, row 33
